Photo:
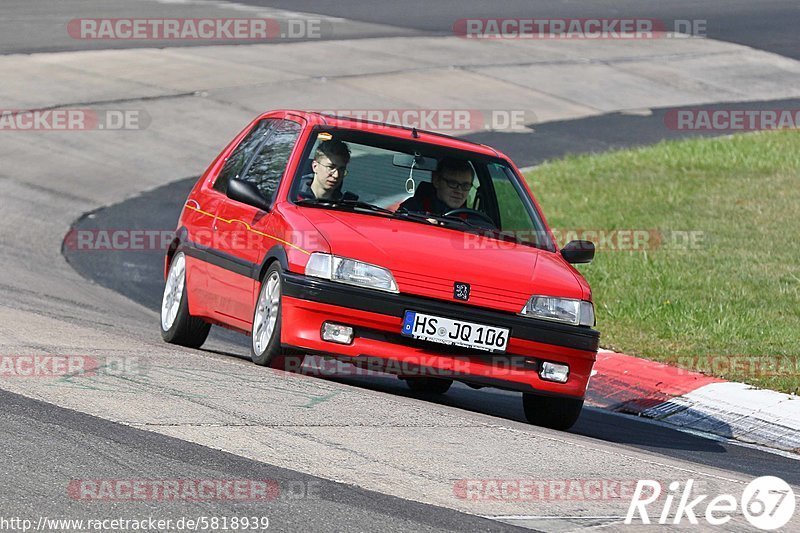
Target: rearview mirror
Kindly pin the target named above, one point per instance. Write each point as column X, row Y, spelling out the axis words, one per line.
column 416, row 161
column 578, row 252
column 247, row 193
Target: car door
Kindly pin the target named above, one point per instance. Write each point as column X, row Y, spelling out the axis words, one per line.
column 244, row 231
column 200, row 219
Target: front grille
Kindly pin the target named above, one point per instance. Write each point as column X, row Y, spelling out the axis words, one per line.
column 480, row 294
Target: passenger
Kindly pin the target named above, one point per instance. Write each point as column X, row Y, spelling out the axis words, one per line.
column 448, row 189
column 329, row 168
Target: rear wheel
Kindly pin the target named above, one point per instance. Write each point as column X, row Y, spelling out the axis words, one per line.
column 265, row 348
column 177, row 325
column 550, row 412
column 429, row 385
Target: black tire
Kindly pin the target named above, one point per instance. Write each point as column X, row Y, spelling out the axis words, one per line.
column 272, row 354
column 185, row 329
column 429, row 385
column 550, row 412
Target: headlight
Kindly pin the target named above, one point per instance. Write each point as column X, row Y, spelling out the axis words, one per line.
column 575, row 312
column 350, row 271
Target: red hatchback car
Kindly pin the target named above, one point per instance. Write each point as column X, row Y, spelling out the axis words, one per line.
column 390, row 248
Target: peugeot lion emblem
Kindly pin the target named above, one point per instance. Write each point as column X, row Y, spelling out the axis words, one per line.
column 461, row 291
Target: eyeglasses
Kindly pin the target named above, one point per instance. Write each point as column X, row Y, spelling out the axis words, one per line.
column 333, row 168
column 464, row 186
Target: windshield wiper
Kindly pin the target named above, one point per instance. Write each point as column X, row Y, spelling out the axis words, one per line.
column 367, row 205
column 354, row 204
column 416, row 216
column 441, row 220
column 432, row 218
column 483, row 230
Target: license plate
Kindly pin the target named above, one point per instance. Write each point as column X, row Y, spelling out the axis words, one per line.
column 454, row 332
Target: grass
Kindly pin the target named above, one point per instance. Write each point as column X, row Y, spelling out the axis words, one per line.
column 729, row 306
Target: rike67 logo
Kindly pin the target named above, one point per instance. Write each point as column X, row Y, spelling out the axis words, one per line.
column 767, row 503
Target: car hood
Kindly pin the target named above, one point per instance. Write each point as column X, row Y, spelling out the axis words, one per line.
column 427, row 260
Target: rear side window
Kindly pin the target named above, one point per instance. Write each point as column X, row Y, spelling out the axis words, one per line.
column 267, row 168
column 242, row 154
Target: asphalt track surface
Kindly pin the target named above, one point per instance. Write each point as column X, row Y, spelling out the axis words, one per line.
column 43, row 442
column 770, row 25
column 36, row 433
column 766, row 24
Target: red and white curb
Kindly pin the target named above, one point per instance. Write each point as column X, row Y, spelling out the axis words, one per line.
column 694, row 401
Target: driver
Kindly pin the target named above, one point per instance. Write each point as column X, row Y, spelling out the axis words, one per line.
column 451, row 183
column 329, row 168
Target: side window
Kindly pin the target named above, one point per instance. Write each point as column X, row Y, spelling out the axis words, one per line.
column 241, row 154
column 513, row 214
column 268, row 166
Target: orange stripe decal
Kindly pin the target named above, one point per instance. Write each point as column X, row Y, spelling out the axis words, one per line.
column 247, row 226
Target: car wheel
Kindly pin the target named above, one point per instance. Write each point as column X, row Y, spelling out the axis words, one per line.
column 265, row 348
column 550, row 412
column 429, row 385
column 177, row 325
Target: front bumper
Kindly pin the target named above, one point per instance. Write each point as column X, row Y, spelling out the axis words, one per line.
column 377, row 319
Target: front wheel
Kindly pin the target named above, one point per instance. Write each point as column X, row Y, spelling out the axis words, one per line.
column 550, row 412
column 177, row 325
column 265, row 348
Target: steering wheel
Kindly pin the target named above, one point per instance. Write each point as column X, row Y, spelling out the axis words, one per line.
column 471, row 213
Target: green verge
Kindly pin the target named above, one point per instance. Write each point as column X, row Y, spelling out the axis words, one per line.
column 726, row 303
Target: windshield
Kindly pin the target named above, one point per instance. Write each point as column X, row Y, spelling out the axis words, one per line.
column 384, row 176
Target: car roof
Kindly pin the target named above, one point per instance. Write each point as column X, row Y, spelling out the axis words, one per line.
column 403, row 132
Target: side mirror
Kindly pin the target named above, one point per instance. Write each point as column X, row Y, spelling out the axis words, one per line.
column 247, row 193
column 578, row 252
